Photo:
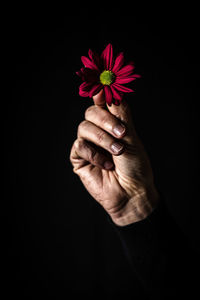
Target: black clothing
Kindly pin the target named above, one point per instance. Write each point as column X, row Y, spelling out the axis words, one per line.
column 160, row 256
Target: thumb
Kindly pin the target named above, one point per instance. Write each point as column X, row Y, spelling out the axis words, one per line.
column 99, row 99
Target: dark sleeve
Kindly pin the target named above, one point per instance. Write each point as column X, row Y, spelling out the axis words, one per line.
column 160, row 255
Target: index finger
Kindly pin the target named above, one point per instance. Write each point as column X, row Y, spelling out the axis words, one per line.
column 122, row 112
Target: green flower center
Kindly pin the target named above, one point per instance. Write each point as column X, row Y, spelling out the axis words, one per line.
column 107, row 77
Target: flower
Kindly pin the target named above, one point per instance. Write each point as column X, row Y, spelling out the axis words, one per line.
column 105, row 72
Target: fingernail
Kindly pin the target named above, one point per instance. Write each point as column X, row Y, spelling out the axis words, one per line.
column 117, row 147
column 119, row 130
column 108, row 165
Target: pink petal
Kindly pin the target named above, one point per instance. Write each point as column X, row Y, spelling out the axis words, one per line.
column 85, row 86
column 107, row 56
column 119, row 61
column 84, row 89
column 83, row 93
column 88, row 63
column 122, row 80
column 108, row 94
column 126, row 71
column 137, row 76
column 90, row 54
column 80, row 72
column 122, row 88
column 94, row 58
column 95, row 89
column 117, row 102
column 117, row 95
column 89, row 75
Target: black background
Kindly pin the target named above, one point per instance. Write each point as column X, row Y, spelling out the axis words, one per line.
column 58, row 240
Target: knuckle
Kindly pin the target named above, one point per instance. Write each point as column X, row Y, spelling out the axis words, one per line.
column 81, row 126
column 73, row 149
column 92, row 154
column 105, row 120
column 76, row 144
column 100, row 135
column 94, row 157
column 79, row 144
column 89, row 110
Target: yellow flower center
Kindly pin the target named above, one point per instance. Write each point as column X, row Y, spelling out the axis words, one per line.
column 107, row 77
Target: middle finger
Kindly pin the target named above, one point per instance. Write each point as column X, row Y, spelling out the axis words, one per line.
column 90, row 132
column 104, row 119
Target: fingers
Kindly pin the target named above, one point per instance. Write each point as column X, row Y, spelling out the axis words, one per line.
column 94, row 134
column 83, row 153
column 98, row 139
column 100, row 132
column 105, row 120
column 121, row 112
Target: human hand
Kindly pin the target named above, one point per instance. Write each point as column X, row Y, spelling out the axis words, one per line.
column 114, row 166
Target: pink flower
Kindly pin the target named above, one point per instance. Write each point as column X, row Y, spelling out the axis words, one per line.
column 105, row 72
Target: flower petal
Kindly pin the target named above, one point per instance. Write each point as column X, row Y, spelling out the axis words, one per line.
column 122, row 88
column 117, row 95
column 85, row 86
column 80, row 72
column 94, row 58
column 95, row 89
column 108, row 95
column 117, row 102
column 137, row 76
column 84, row 89
column 88, row 63
column 83, row 93
column 87, row 74
column 119, row 61
column 122, row 80
column 126, row 71
column 107, row 57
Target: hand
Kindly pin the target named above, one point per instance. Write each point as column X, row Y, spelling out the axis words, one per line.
column 112, row 164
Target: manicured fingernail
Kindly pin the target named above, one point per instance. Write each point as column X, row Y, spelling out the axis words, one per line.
column 119, row 130
column 117, row 147
column 108, row 165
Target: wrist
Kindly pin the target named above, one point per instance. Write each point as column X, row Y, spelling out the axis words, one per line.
column 137, row 208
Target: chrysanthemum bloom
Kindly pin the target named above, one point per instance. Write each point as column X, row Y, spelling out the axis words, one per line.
column 105, row 72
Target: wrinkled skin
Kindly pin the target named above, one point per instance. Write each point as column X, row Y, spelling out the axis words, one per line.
column 126, row 189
